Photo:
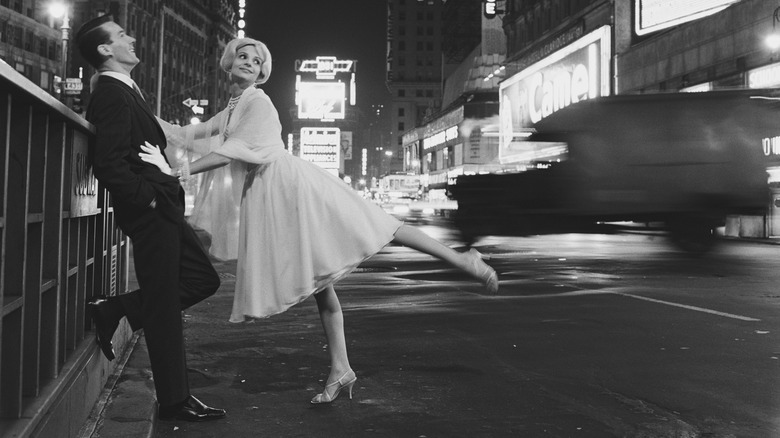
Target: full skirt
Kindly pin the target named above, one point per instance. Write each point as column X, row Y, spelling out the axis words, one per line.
column 301, row 229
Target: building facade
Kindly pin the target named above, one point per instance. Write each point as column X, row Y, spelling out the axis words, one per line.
column 30, row 41
column 179, row 43
column 563, row 51
column 460, row 136
column 414, row 65
column 634, row 47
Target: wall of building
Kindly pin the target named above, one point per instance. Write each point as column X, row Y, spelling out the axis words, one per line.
column 720, row 48
column 30, row 42
column 414, row 65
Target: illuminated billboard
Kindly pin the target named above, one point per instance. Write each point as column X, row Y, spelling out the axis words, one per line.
column 654, row 15
column 322, row 147
column 321, row 100
column 579, row 71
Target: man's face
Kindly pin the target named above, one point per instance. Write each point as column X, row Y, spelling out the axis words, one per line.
column 121, row 47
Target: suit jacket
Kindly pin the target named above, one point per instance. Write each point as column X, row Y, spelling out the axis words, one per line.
column 123, row 122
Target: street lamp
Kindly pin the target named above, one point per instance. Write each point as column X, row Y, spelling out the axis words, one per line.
column 773, row 40
column 58, row 9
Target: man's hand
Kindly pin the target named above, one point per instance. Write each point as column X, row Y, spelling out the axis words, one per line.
column 152, row 154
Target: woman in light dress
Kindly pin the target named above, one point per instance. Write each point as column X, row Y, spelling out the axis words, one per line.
column 301, row 229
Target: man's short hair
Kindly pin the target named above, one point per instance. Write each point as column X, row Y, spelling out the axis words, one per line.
column 90, row 35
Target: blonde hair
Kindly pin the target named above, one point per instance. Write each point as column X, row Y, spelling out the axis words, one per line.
column 231, row 50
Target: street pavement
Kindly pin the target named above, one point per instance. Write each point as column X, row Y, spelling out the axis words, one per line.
column 435, row 357
column 265, row 372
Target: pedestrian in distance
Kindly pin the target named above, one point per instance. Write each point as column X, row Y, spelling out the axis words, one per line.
column 172, row 268
column 301, row 228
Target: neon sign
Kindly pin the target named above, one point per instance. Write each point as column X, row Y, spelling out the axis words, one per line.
column 325, row 67
column 561, row 88
column 321, row 100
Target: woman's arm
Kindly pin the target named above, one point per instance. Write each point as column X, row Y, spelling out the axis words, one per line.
column 151, row 154
column 206, row 129
column 208, row 162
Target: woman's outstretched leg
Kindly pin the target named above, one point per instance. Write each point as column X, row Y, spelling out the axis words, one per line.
column 341, row 374
column 470, row 261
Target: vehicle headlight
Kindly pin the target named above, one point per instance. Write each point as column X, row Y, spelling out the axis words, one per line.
column 428, row 211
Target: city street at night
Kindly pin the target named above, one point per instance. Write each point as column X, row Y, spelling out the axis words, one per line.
column 616, row 163
column 589, row 336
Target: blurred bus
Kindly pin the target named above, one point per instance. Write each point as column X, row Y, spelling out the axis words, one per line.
column 681, row 161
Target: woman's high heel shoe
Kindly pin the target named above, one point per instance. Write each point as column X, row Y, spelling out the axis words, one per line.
column 334, row 389
column 482, row 271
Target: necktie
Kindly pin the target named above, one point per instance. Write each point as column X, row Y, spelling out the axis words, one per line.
column 138, row 90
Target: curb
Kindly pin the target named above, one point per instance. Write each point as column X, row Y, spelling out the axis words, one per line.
column 130, row 410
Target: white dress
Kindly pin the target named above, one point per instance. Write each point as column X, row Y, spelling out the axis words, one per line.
column 300, row 227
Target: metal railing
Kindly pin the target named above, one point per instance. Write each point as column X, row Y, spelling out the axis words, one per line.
column 59, row 246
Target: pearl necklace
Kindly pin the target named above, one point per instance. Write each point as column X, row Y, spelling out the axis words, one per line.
column 233, row 102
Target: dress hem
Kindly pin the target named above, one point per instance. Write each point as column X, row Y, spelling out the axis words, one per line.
column 322, row 283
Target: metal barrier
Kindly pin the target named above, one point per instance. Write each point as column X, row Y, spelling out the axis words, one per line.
column 59, row 247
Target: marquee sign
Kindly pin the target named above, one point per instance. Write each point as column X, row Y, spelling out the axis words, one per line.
column 654, row 15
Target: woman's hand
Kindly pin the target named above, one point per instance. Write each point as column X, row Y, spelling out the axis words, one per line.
column 151, row 154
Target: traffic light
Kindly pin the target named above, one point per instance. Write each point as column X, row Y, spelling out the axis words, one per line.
column 76, row 105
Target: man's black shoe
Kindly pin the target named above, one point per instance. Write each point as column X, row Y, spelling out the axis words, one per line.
column 191, row 410
column 106, row 322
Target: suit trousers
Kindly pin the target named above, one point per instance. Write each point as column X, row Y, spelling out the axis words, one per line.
column 173, row 272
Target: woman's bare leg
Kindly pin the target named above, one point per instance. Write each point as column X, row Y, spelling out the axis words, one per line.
column 333, row 322
column 412, row 237
column 467, row 261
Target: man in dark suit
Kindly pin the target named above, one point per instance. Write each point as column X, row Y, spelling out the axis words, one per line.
column 172, row 268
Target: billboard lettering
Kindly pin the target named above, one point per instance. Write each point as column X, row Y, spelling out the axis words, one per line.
column 321, row 146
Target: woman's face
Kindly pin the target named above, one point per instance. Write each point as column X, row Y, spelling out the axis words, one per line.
column 246, row 66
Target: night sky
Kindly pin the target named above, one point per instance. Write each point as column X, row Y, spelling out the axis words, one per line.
column 305, row 29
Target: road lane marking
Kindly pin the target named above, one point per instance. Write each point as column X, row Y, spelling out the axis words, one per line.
column 686, row 306
column 575, row 293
